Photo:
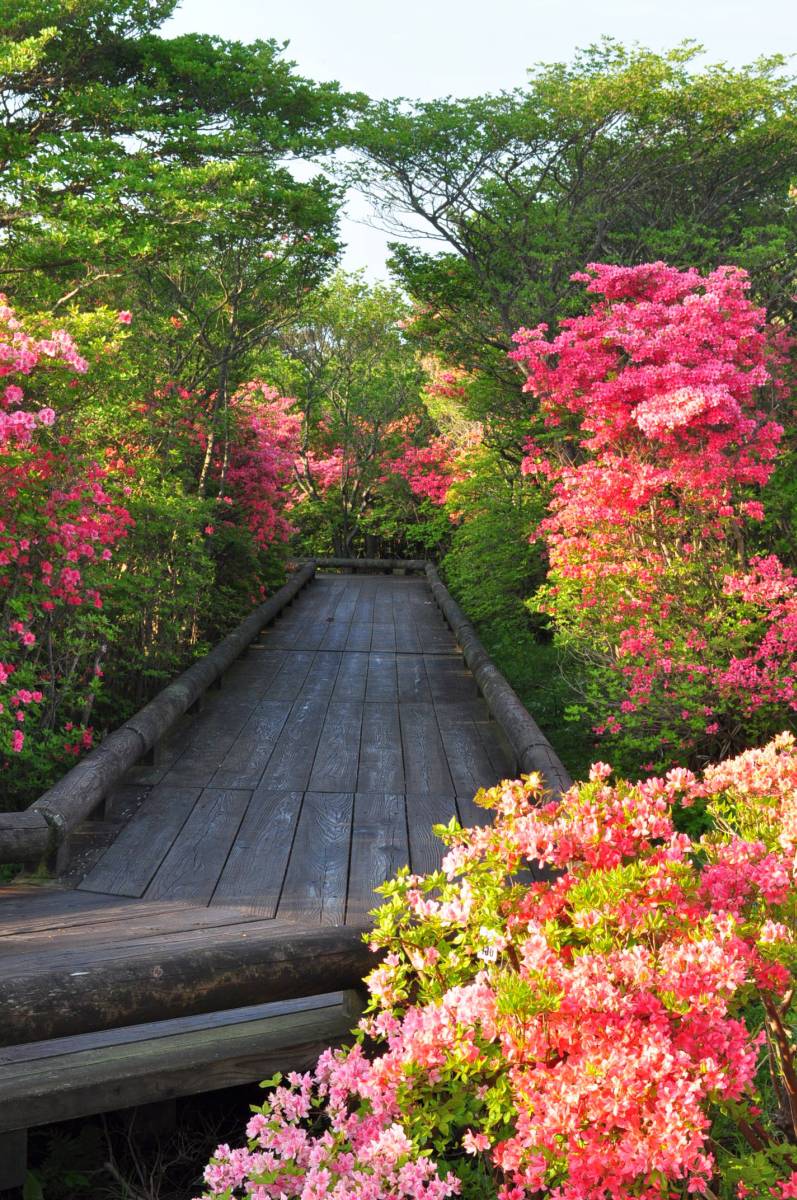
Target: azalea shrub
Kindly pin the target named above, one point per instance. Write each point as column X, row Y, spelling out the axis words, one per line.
column 381, row 489
column 61, row 522
column 118, row 563
column 660, row 429
column 584, row 1001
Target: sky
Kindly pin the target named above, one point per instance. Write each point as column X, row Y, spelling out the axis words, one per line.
column 428, row 48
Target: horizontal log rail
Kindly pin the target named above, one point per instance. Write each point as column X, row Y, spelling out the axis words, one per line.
column 529, row 744
column 177, row 976
column 38, row 832
column 372, row 564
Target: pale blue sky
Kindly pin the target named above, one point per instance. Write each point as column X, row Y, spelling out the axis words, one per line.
column 431, row 48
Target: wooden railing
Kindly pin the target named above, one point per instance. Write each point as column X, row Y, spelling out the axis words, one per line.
column 373, row 564
column 107, row 988
column 530, row 746
column 42, row 829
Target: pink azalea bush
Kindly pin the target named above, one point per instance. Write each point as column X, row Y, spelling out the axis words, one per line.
column 583, row 1002
column 429, row 470
column 119, row 551
column 59, row 527
column 658, row 407
column 263, row 461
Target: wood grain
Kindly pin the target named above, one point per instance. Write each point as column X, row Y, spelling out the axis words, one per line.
column 338, row 753
column 292, row 758
column 423, row 811
column 315, row 885
column 253, row 874
column 425, row 763
column 245, row 761
column 378, row 849
column 197, row 856
column 381, row 760
column 129, row 864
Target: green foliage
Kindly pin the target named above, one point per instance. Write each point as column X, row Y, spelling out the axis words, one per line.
column 621, row 156
column 149, row 177
column 358, row 386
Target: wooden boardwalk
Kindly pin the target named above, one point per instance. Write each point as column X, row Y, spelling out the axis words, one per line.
column 345, row 732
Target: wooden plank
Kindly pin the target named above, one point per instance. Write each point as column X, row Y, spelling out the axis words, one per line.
column 145, row 920
column 449, row 679
column 26, row 908
column 499, row 754
column 282, row 634
column 378, row 849
column 255, row 670
column 292, row 758
column 245, row 761
column 352, row 676
column 131, row 861
column 457, row 712
column 255, row 869
column 413, row 683
column 383, row 604
column 320, row 680
column 73, row 991
column 159, row 1068
column 381, row 766
column 336, row 759
column 345, row 608
column 263, row 665
column 318, row 869
column 359, row 636
column 336, row 635
column 192, row 867
column 364, row 608
column 152, row 768
column 311, row 633
column 213, row 734
column 407, row 640
column 383, row 638
column 382, row 683
column 435, row 639
column 471, row 814
column 425, row 763
column 124, row 800
column 288, row 683
column 423, row 811
column 468, row 760
column 127, row 1035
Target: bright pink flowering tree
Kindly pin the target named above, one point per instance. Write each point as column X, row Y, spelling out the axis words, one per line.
column 658, row 407
column 389, row 482
column 596, row 1033
column 263, row 460
column 429, row 469
column 59, row 525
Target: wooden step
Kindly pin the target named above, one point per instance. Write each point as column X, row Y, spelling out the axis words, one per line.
column 41, row 1082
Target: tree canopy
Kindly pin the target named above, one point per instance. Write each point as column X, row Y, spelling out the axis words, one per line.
column 622, row 156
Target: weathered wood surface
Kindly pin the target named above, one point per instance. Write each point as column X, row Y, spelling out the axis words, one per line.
column 246, row 856
column 347, row 730
column 160, row 1060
